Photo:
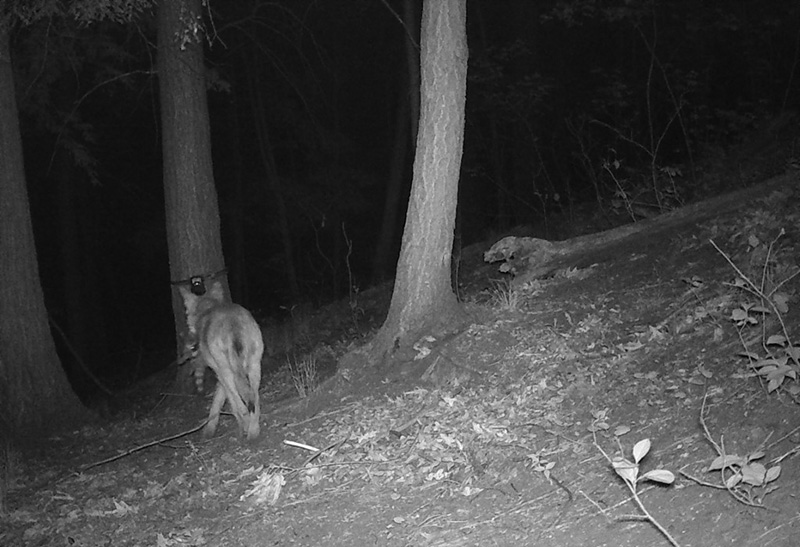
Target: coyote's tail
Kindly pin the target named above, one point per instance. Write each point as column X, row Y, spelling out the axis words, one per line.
column 199, row 375
column 190, row 357
column 239, row 368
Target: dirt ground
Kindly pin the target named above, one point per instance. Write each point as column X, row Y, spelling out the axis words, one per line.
column 502, row 434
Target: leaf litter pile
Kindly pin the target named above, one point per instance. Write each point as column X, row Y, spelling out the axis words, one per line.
column 425, row 438
column 519, row 430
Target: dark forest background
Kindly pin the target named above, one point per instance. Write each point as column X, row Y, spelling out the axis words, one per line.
column 575, row 110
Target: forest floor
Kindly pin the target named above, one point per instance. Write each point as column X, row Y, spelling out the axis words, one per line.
column 641, row 351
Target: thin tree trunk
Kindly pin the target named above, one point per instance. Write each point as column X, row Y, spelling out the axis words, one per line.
column 34, row 391
column 193, row 233
column 423, row 299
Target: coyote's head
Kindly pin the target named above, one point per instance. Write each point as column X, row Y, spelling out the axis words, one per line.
column 196, row 305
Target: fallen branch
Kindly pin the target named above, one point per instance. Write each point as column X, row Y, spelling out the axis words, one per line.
column 142, row 447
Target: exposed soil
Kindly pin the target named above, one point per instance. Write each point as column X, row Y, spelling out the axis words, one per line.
column 491, row 436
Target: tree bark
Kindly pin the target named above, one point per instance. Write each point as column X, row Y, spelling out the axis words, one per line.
column 34, row 391
column 423, row 299
column 192, row 212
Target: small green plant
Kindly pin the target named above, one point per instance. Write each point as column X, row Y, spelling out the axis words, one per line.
column 304, row 375
column 744, row 477
column 779, row 361
column 777, row 365
column 505, row 297
column 643, row 198
column 747, row 480
column 538, row 463
column 628, row 470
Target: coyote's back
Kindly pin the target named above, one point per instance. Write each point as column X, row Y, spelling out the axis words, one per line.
column 228, row 340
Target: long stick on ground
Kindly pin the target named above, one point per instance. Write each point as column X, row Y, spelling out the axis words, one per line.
column 142, row 447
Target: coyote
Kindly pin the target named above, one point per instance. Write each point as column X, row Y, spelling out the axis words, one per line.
column 226, row 338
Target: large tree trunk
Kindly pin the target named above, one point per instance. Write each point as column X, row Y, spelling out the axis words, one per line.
column 193, row 236
column 34, row 391
column 423, row 299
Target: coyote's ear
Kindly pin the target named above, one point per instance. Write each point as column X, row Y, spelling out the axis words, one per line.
column 216, row 292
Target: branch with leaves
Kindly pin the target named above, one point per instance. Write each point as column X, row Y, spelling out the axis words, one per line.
column 628, row 471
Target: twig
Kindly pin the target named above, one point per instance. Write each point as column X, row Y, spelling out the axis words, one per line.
column 759, row 291
column 632, row 487
column 720, row 449
column 402, row 23
column 142, row 447
column 563, row 512
column 790, row 453
column 647, row 516
column 318, row 453
column 597, row 505
column 701, row 482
